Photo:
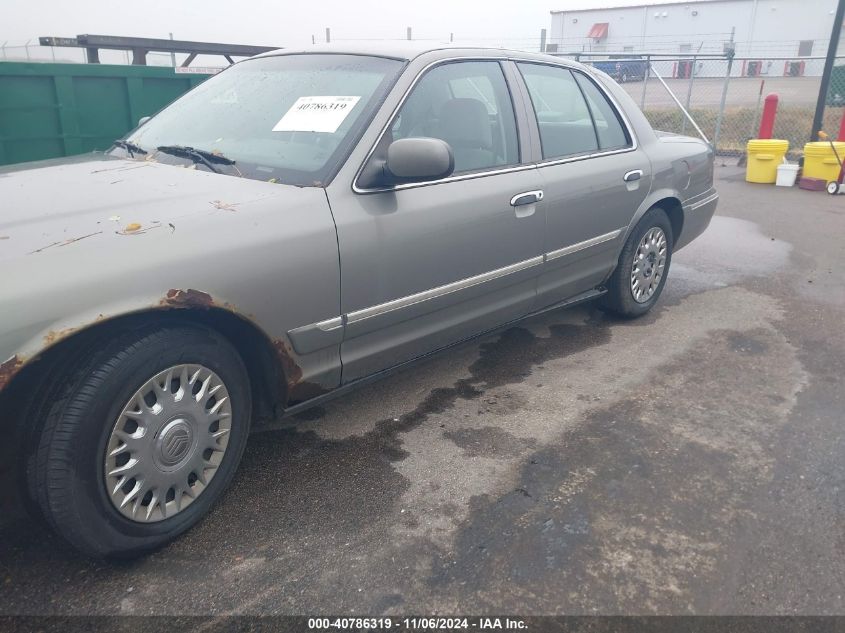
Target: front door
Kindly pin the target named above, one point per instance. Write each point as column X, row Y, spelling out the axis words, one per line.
column 425, row 265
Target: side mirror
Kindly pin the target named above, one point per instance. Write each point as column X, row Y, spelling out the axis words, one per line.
column 143, row 120
column 418, row 159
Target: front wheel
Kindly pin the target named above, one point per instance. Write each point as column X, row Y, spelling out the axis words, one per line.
column 140, row 438
column 643, row 266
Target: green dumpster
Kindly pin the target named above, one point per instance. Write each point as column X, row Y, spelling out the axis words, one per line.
column 51, row 110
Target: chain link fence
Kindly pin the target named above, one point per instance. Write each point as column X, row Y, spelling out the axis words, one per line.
column 725, row 96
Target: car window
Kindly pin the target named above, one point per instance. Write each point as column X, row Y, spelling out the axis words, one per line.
column 566, row 127
column 466, row 104
column 609, row 128
column 286, row 118
column 475, row 88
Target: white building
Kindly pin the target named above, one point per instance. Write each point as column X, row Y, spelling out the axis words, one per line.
column 782, row 35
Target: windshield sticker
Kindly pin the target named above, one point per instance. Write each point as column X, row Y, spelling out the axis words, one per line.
column 316, row 114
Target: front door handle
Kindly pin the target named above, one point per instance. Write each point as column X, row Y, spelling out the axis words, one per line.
column 631, row 176
column 526, row 197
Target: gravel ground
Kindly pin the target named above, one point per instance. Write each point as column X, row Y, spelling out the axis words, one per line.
column 690, row 462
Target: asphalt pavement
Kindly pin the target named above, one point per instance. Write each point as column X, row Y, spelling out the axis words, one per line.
column 690, row 462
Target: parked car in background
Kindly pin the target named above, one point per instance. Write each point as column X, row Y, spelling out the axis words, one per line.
column 296, row 225
column 623, row 70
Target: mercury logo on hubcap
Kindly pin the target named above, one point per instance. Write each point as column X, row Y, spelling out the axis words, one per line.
column 174, row 441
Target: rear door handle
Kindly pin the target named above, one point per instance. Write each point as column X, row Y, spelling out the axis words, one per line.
column 631, row 176
column 526, row 197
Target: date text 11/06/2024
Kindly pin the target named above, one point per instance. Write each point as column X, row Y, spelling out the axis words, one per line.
column 417, row 624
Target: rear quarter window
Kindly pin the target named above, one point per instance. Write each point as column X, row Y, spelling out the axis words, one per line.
column 611, row 133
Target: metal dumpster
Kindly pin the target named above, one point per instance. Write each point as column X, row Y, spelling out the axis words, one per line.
column 49, row 110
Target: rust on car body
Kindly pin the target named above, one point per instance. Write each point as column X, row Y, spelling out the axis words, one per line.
column 293, row 383
column 189, row 298
column 54, row 336
column 8, row 369
column 296, row 389
column 284, row 353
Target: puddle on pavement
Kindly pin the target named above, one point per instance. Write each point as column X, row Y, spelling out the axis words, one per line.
column 729, row 251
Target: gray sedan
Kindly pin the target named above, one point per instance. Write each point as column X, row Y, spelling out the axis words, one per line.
column 296, row 225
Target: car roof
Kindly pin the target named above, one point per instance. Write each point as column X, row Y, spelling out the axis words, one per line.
column 411, row 49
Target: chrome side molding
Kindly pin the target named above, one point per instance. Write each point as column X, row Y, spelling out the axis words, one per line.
column 580, row 246
column 433, row 293
column 309, row 338
column 701, row 203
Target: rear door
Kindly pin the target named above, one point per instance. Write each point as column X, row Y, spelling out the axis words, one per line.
column 427, row 264
column 594, row 178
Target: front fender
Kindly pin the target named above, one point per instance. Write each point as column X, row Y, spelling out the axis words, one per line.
column 272, row 260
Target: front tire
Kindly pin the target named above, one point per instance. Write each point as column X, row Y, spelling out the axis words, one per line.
column 637, row 282
column 140, row 438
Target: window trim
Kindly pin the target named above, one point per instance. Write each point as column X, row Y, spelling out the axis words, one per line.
column 500, row 170
column 589, row 111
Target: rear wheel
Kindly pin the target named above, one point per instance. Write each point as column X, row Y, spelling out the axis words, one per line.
column 639, row 277
column 140, row 439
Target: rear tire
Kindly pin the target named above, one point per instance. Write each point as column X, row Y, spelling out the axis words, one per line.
column 97, row 400
column 636, row 283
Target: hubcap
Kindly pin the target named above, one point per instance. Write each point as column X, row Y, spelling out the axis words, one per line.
column 167, row 443
column 649, row 264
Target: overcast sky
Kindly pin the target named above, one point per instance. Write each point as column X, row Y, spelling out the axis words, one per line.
column 282, row 23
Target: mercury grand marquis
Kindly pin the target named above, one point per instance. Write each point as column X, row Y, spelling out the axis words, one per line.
column 296, row 225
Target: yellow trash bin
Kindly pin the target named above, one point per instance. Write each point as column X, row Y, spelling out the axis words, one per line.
column 820, row 161
column 764, row 156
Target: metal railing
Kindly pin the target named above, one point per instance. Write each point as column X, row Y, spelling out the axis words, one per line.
column 724, row 94
column 32, row 51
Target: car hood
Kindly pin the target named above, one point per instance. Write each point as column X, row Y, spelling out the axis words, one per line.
column 95, row 197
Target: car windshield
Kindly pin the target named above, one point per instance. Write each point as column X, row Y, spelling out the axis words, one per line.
column 284, row 118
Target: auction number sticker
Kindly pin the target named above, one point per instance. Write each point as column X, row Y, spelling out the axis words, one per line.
column 316, row 114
